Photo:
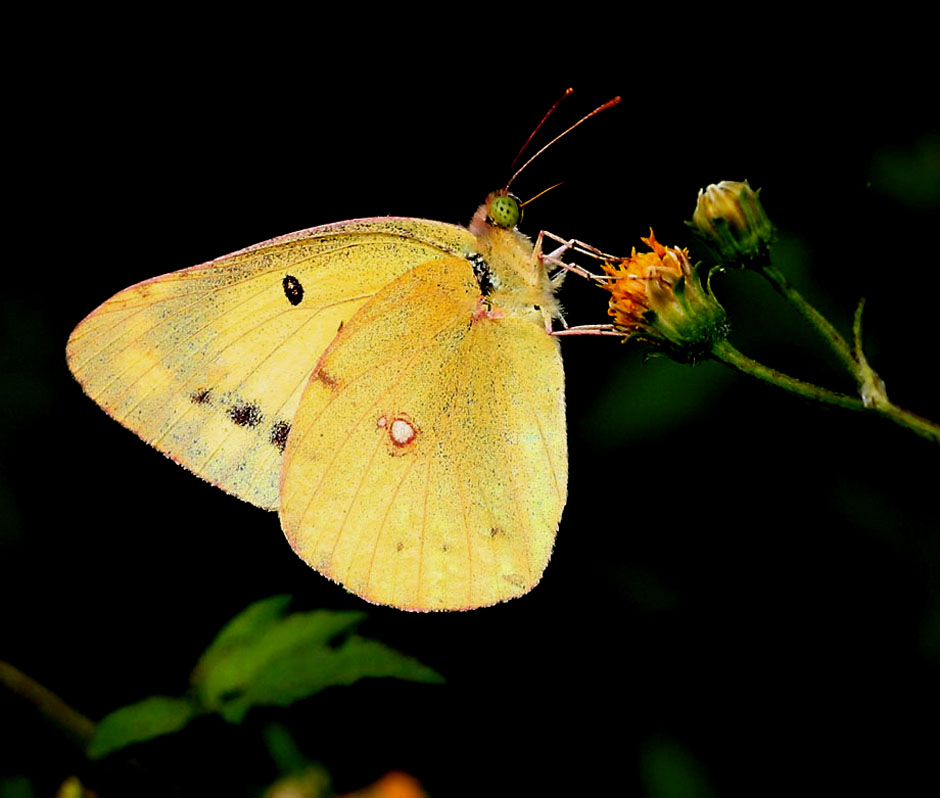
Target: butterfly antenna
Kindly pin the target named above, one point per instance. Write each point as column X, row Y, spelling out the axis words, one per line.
column 604, row 107
column 533, row 199
column 568, row 92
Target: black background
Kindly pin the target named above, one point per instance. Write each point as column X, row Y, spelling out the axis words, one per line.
column 743, row 597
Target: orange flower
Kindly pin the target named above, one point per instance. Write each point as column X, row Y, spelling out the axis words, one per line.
column 392, row 785
column 637, row 277
column 658, row 297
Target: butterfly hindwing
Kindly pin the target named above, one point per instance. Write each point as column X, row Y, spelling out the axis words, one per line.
column 427, row 463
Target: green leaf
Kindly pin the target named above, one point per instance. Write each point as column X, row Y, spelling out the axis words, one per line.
column 227, row 671
column 263, row 659
column 135, row 723
column 307, row 669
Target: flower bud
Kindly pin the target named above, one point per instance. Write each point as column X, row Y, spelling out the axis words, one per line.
column 730, row 217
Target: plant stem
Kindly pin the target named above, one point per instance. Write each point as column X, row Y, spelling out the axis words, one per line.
column 73, row 723
column 905, row 418
column 836, row 342
column 727, row 354
column 730, row 356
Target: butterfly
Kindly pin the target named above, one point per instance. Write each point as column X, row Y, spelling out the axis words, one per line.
column 390, row 386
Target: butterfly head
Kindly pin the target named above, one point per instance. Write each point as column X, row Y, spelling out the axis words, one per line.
column 501, row 211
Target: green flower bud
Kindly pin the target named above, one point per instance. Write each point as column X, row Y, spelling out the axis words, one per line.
column 730, row 217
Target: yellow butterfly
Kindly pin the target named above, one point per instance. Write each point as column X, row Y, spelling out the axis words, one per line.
column 390, row 386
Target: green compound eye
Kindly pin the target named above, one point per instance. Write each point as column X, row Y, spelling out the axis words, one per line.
column 505, row 211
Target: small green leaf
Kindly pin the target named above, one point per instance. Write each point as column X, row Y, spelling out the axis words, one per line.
column 286, row 659
column 226, row 672
column 135, row 723
column 306, row 670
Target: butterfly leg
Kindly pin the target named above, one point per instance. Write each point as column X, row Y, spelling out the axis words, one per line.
column 577, row 246
column 589, row 329
column 574, row 245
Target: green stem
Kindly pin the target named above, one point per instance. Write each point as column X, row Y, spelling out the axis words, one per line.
column 836, row 342
column 70, row 721
column 730, row 356
column 905, row 418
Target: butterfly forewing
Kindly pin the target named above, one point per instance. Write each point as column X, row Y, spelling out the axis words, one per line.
column 208, row 364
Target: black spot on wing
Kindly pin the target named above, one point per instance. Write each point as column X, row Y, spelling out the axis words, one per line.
column 245, row 415
column 279, row 432
column 293, row 290
column 201, row 397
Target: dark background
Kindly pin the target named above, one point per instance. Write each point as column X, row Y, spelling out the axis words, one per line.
column 744, row 594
